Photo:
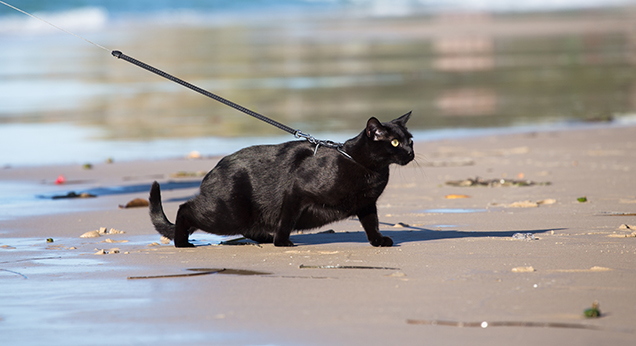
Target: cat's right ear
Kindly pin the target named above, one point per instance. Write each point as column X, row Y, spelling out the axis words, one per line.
column 375, row 130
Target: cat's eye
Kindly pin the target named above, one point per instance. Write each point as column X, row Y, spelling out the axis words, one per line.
column 395, row 142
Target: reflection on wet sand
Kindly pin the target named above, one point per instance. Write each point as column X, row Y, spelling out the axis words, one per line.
column 329, row 74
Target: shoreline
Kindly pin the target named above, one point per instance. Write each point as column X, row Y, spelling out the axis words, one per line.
column 454, row 257
column 213, row 147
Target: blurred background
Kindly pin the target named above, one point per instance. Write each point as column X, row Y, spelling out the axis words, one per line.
column 322, row 66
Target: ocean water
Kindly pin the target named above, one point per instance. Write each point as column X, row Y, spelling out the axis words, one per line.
column 322, row 66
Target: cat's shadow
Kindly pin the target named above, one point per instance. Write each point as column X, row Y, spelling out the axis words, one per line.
column 405, row 235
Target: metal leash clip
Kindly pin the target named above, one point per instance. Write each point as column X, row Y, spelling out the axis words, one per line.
column 325, row 143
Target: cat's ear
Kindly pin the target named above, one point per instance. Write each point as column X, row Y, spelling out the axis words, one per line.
column 403, row 119
column 375, row 130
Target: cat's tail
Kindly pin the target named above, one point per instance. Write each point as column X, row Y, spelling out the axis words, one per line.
column 157, row 216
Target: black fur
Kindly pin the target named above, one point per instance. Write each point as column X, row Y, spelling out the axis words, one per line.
column 265, row 192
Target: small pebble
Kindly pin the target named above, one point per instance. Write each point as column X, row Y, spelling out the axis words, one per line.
column 194, row 155
column 523, row 236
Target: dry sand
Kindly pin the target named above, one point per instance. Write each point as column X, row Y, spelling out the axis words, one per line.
column 454, row 258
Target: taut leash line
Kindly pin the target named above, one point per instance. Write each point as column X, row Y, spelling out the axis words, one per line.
column 296, row 133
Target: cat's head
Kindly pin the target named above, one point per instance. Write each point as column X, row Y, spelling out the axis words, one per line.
column 391, row 140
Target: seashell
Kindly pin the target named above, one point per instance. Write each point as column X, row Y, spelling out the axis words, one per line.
column 527, row 269
column 91, row 234
column 455, row 196
column 100, row 252
column 599, row 269
column 524, row 204
column 108, row 240
column 103, row 230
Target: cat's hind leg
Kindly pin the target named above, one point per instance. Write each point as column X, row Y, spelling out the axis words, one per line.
column 260, row 238
column 184, row 226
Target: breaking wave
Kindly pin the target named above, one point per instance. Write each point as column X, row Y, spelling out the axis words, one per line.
column 79, row 19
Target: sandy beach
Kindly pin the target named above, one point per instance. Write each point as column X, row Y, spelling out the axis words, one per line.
column 455, row 263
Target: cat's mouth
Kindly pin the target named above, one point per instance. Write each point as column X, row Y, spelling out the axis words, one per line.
column 406, row 160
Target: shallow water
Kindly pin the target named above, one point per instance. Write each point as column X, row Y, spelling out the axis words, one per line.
column 324, row 70
column 55, row 296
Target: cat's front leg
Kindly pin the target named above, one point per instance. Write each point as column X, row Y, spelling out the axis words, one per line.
column 369, row 219
column 280, row 241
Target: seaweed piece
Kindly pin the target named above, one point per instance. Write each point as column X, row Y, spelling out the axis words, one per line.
column 202, row 271
column 477, row 181
column 593, row 312
column 74, row 194
column 302, row 266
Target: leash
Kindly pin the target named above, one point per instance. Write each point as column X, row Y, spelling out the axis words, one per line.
column 119, row 55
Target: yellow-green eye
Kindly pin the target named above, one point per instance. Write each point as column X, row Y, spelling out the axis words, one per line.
column 395, row 142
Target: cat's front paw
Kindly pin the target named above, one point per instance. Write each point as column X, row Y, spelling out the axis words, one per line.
column 382, row 242
column 186, row 244
column 283, row 243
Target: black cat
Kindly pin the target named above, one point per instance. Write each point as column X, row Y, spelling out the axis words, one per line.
column 265, row 192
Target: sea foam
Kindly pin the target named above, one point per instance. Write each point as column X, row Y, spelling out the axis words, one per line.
column 80, row 19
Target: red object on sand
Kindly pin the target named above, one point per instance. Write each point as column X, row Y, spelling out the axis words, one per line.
column 60, row 180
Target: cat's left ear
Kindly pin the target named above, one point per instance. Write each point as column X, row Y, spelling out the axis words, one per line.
column 375, row 130
column 403, row 119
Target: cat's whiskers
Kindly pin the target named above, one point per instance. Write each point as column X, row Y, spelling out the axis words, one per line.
column 416, row 162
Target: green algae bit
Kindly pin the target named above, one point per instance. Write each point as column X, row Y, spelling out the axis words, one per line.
column 582, row 199
column 593, row 312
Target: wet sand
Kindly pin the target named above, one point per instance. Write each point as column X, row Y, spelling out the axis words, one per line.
column 451, row 268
